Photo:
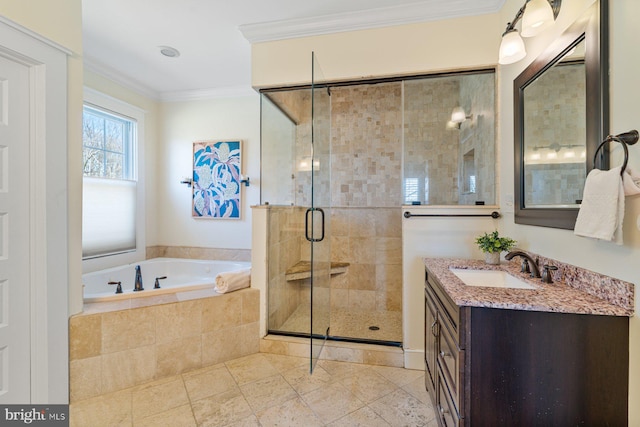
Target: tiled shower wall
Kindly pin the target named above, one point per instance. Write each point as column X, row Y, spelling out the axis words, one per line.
column 477, row 136
column 286, row 227
column 366, row 195
column 431, row 150
column 559, row 95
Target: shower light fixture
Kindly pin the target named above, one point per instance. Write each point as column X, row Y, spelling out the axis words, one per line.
column 536, row 15
column 457, row 117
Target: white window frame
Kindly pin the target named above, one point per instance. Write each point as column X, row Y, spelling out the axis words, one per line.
column 108, row 103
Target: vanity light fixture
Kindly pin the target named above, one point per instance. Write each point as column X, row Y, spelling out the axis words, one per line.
column 536, row 15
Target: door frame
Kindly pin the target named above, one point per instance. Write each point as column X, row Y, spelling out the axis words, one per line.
column 48, row 200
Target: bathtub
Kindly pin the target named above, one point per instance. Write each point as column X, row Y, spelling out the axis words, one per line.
column 181, row 275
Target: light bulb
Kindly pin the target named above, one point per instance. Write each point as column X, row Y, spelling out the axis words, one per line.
column 511, row 48
column 538, row 16
column 458, row 115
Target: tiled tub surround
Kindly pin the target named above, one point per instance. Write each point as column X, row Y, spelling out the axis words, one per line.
column 574, row 290
column 195, row 252
column 112, row 348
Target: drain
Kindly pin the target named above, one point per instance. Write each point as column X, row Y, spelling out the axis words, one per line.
column 374, row 328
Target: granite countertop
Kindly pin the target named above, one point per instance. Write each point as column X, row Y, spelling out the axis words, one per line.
column 555, row 297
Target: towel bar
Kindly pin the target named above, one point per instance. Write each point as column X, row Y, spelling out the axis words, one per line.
column 625, row 138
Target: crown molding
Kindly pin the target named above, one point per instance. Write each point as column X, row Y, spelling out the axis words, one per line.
column 373, row 18
column 101, row 69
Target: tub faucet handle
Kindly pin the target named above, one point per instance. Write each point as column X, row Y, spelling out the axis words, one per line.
column 546, row 273
column 157, row 284
column 118, row 288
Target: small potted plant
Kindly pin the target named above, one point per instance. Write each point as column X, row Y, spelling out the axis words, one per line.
column 492, row 245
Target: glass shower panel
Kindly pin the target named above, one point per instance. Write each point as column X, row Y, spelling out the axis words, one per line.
column 449, row 159
column 319, row 215
column 278, row 134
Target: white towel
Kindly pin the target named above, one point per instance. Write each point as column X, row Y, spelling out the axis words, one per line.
column 630, row 182
column 602, row 209
column 233, row 280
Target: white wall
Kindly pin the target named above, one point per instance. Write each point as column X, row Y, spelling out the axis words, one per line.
column 182, row 123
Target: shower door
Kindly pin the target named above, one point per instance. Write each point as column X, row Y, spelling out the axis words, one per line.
column 318, row 216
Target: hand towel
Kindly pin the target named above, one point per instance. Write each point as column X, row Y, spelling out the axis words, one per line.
column 602, row 209
column 630, row 182
column 233, row 280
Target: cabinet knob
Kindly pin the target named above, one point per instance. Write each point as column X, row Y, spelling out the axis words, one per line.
column 443, row 410
column 444, row 354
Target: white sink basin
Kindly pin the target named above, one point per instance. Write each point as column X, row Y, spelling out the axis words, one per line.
column 490, row 278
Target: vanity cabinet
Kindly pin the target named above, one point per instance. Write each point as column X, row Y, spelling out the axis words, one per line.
column 506, row 367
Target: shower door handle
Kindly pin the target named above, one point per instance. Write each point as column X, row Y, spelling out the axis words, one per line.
column 306, row 225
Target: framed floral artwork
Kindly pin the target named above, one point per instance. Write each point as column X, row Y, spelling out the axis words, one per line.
column 216, row 179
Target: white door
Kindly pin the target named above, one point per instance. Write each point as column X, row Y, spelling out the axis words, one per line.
column 15, row 354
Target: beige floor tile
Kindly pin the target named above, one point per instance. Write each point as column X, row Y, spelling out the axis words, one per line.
column 222, row 409
column 364, row 417
column 113, row 409
column 401, row 408
column 250, row 368
column 332, row 402
column 340, row 370
column 182, row 416
column 208, row 382
column 417, row 389
column 293, row 413
column 250, row 421
column 267, row 392
column 285, row 363
column 368, row 386
column 399, row 376
column 158, row 396
column 304, row 382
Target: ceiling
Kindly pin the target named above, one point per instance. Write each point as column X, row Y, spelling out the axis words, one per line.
column 121, row 38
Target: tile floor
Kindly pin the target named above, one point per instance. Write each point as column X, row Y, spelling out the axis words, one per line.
column 268, row 390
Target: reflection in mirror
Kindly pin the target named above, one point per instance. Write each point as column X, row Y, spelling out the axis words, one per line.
column 449, row 140
column 555, row 133
column 560, row 117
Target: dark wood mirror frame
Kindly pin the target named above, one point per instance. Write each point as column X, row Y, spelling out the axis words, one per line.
column 593, row 28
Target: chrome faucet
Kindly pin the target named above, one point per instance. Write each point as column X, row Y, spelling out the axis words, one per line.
column 535, row 271
column 138, row 283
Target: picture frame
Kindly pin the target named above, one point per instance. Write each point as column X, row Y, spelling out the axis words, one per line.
column 216, row 189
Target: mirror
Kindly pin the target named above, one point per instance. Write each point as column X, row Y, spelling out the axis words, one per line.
column 561, row 116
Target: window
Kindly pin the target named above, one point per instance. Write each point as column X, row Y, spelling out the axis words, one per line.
column 410, row 190
column 107, row 145
column 110, row 188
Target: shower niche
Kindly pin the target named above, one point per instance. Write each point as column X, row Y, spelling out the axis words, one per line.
column 377, row 145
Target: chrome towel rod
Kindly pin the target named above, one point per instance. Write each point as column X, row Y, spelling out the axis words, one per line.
column 494, row 215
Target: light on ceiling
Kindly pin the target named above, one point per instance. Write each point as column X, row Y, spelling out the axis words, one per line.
column 168, row 51
column 536, row 15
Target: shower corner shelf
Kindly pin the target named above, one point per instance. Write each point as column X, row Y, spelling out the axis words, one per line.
column 302, row 270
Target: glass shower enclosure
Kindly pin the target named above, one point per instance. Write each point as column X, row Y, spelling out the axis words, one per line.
column 295, row 183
